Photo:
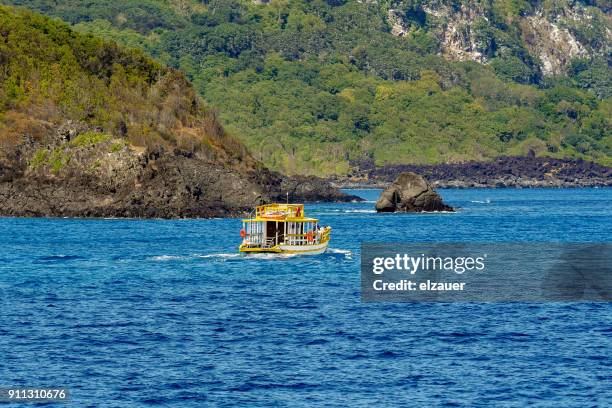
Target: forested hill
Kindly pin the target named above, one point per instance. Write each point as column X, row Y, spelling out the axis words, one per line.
column 52, row 76
column 88, row 128
column 311, row 86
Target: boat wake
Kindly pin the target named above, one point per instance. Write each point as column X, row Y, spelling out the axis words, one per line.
column 345, row 252
column 219, row 256
column 163, row 258
column 268, row 256
column 359, row 211
column 223, row 256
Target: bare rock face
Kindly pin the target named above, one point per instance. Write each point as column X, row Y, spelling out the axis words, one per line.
column 554, row 44
column 410, row 193
column 549, row 33
column 64, row 176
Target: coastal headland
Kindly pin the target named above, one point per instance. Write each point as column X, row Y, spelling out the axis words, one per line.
column 509, row 171
column 91, row 129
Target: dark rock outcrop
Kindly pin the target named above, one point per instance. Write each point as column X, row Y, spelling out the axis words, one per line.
column 312, row 189
column 509, row 171
column 57, row 178
column 410, row 193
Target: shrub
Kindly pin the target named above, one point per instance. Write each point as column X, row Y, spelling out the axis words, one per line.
column 89, row 138
column 39, row 158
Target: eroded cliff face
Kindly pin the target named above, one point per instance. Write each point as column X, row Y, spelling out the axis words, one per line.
column 548, row 37
column 553, row 33
column 74, row 170
column 458, row 31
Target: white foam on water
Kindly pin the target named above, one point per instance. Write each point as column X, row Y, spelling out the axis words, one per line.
column 244, row 256
column 166, row 258
column 338, row 251
column 360, row 211
column 269, row 256
column 347, row 254
column 487, row 201
column 240, row 256
column 221, row 255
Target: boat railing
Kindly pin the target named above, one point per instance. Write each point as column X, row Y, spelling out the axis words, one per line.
column 302, row 239
column 254, row 239
column 296, row 239
column 258, row 240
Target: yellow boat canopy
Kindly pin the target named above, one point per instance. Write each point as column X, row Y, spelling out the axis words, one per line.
column 280, row 213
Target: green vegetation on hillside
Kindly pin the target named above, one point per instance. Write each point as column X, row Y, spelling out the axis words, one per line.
column 51, row 75
column 310, row 85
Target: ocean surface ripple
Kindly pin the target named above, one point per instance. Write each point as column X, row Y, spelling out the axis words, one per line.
column 167, row 313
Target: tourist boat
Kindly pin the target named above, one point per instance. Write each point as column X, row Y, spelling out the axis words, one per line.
column 283, row 228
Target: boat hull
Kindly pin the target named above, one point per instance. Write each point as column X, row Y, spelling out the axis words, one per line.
column 314, row 249
column 304, row 249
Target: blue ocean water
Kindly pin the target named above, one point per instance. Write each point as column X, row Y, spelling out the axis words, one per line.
column 131, row 313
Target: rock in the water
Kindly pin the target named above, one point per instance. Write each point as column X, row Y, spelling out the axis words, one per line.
column 410, row 193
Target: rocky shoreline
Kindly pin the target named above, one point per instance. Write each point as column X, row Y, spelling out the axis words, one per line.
column 504, row 172
column 64, row 175
column 75, row 171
